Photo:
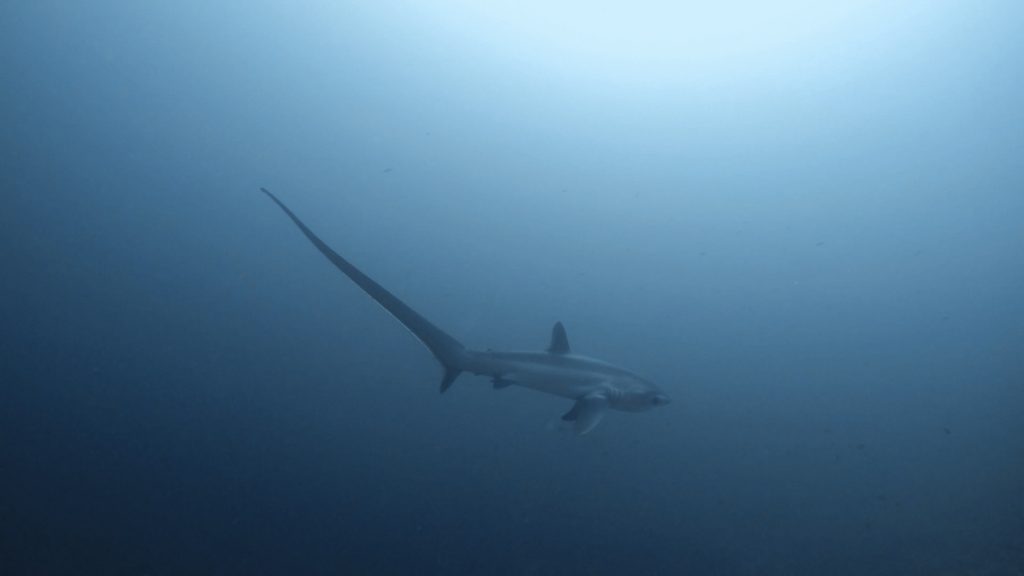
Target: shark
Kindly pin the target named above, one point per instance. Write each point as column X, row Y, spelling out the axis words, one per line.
column 594, row 386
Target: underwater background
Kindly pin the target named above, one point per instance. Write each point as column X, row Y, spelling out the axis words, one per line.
column 804, row 221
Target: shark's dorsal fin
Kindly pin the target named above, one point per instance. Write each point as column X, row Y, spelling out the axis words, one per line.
column 559, row 341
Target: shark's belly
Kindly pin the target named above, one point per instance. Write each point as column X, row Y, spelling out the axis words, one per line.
column 566, row 385
column 569, row 377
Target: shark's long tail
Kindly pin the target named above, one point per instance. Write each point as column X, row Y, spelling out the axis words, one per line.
column 446, row 349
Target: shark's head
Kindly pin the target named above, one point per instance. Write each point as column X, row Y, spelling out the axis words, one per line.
column 637, row 395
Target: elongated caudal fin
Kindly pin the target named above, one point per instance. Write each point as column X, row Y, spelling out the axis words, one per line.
column 446, row 349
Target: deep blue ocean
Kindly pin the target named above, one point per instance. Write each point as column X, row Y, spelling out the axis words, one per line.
column 804, row 221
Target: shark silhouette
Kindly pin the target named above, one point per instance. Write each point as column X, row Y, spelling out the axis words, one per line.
column 593, row 385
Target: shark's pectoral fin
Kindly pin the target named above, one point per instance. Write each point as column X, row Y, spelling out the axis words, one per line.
column 573, row 412
column 587, row 412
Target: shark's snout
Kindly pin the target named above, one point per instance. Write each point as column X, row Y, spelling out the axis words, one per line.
column 661, row 400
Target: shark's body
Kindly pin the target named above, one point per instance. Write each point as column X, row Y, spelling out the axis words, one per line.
column 593, row 385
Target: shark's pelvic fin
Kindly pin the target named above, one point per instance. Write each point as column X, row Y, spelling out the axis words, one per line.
column 559, row 340
column 446, row 349
column 500, row 382
column 587, row 412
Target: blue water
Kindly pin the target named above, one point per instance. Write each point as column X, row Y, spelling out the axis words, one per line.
column 804, row 223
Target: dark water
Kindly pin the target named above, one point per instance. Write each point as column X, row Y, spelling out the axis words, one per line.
column 804, row 223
